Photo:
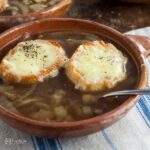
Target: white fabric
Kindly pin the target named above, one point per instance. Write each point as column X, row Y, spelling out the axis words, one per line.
column 130, row 133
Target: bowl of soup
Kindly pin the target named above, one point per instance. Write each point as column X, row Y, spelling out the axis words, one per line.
column 55, row 107
column 17, row 12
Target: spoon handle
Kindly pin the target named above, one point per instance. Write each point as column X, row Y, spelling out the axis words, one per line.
column 128, row 92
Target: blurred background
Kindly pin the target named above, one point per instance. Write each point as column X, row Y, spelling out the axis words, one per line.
column 119, row 15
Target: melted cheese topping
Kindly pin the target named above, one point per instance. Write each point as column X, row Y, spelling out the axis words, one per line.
column 30, row 57
column 96, row 66
column 97, row 62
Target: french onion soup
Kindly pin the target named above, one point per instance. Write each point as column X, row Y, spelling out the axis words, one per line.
column 101, row 66
column 18, row 7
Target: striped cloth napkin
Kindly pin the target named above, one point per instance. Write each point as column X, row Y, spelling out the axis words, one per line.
column 130, row 133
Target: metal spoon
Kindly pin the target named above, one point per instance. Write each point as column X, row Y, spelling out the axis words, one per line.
column 126, row 92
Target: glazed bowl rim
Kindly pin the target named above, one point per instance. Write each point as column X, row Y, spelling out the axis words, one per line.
column 100, row 118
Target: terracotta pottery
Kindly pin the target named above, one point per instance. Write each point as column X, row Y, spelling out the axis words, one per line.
column 77, row 128
column 57, row 11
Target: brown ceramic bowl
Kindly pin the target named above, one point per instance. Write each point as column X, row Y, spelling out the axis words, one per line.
column 83, row 127
column 56, row 11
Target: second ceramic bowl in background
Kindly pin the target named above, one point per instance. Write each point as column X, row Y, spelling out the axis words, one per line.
column 57, row 10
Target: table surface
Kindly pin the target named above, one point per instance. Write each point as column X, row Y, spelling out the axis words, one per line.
column 119, row 15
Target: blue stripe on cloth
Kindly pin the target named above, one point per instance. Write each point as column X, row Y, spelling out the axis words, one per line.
column 147, row 99
column 59, row 143
column 140, row 111
column 52, row 144
column 40, row 143
column 47, row 145
column 144, row 108
column 34, row 145
column 111, row 144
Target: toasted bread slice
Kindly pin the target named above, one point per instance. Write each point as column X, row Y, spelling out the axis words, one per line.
column 32, row 61
column 3, row 5
column 96, row 66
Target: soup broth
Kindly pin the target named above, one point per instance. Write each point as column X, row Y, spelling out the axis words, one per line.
column 16, row 7
column 56, row 99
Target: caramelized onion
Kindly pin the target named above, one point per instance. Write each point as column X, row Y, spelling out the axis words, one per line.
column 27, row 101
column 29, row 92
column 8, row 92
column 24, row 9
column 37, row 7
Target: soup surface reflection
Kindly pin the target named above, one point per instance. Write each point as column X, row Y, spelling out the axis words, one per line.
column 56, row 99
